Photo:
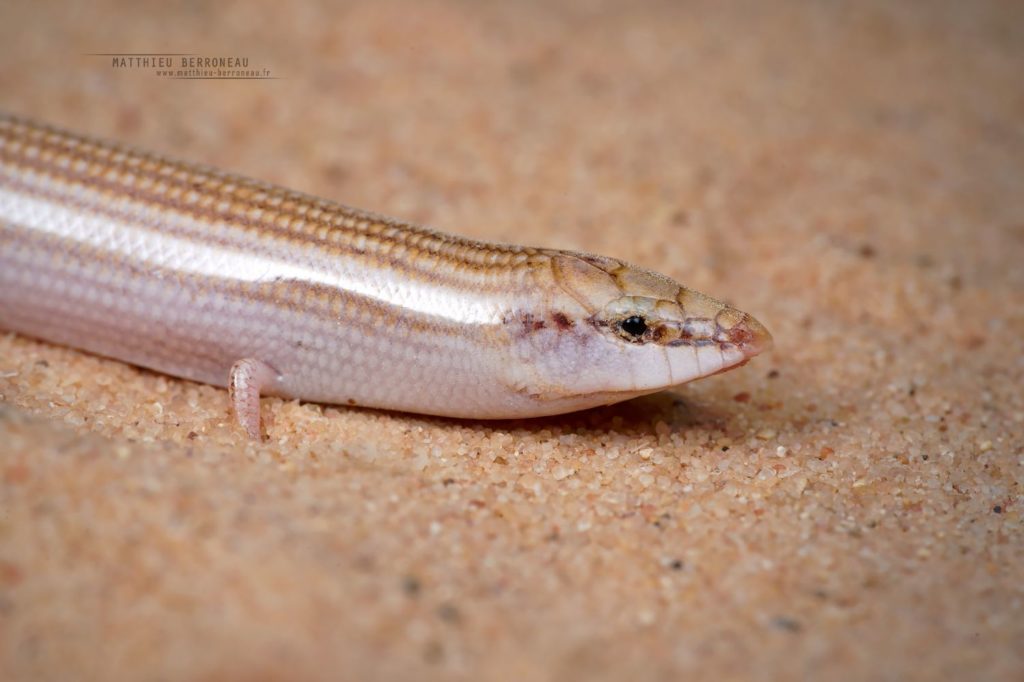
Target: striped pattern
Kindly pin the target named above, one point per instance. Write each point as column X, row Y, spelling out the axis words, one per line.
column 251, row 207
column 186, row 270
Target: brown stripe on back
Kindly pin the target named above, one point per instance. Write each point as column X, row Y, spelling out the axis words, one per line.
column 395, row 256
column 295, row 214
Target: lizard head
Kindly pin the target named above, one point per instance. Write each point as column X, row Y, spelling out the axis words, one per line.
column 614, row 331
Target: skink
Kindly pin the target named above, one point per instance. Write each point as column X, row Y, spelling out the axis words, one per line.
column 233, row 282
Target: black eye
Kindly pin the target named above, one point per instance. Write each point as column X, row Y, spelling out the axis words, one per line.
column 634, row 326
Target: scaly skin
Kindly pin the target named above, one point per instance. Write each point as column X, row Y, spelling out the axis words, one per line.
column 233, row 282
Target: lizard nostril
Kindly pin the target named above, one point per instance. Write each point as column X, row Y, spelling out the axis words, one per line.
column 750, row 336
column 740, row 334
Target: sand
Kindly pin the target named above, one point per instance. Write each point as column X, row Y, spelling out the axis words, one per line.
column 846, row 507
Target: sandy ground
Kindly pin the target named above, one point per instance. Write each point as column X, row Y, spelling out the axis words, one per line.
column 848, row 507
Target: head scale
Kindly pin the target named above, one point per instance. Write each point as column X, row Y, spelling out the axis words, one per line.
column 619, row 331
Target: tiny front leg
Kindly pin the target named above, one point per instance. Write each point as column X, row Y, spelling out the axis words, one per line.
column 248, row 378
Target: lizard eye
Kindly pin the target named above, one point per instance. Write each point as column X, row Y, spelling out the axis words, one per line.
column 634, row 326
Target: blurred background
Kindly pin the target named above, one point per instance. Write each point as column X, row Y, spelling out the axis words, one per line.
column 848, row 172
